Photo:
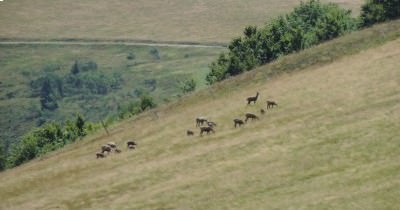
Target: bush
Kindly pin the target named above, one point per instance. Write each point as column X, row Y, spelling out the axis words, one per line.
column 131, row 56
column 187, row 86
column 155, row 53
column 375, row 11
column 146, row 102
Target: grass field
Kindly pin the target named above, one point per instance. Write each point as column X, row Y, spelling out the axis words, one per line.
column 332, row 143
column 22, row 64
column 157, row 20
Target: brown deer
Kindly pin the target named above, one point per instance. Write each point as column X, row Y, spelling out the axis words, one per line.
column 117, row 150
column 238, row 122
column 112, row 144
column 271, row 104
column 206, row 129
column 100, row 155
column 105, row 148
column 131, row 144
column 252, row 99
column 189, row 133
column 200, row 121
column 211, row 124
column 250, row 116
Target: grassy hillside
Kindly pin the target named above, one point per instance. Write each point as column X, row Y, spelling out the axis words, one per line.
column 331, row 144
column 178, row 20
column 22, row 65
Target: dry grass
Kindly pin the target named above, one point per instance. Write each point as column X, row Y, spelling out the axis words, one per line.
column 333, row 143
column 159, row 20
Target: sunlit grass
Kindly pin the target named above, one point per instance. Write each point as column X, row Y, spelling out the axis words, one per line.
column 157, row 20
column 332, row 143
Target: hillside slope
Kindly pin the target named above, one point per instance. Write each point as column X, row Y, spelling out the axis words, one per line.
column 158, row 20
column 332, row 143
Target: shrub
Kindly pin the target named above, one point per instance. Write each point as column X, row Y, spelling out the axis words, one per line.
column 155, row 53
column 374, row 11
column 146, row 102
column 131, row 56
column 187, row 86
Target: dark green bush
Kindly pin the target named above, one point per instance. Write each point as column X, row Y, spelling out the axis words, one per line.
column 187, row 86
column 375, row 11
column 45, row 139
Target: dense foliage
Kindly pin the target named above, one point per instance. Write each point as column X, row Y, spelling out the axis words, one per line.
column 84, row 78
column 375, row 11
column 308, row 24
column 49, row 137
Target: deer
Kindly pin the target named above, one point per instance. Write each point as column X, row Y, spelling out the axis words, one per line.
column 211, row 124
column 189, row 133
column 251, row 116
column 238, row 122
column 200, row 121
column 100, row 155
column 252, row 99
column 105, row 148
column 131, row 144
column 206, row 129
column 271, row 104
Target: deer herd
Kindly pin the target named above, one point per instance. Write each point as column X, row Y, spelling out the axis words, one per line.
column 208, row 126
column 112, row 147
column 205, row 126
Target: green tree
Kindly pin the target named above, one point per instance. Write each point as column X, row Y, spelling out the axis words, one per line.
column 2, row 157
column 75, row 68
column 80, row 123
column 47, row 99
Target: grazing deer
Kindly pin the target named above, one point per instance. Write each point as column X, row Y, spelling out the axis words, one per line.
column 117, row 150
column 200, row 121
column 189, row 133
column 112, row 144
column 131, row 144
column 250, row 116
column 206, row 129
column 271, row 104
column 211, row 124
column 238, row 122
column 105, row 148
column 252, row 99
column 100, row 155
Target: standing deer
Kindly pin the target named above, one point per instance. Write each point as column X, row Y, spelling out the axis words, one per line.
column 252, row 99
column 200, row 121
column 206, row 129
column 238, row 122
column 271, row 104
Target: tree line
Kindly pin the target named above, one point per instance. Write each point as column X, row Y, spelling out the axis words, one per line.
column 309, row 24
